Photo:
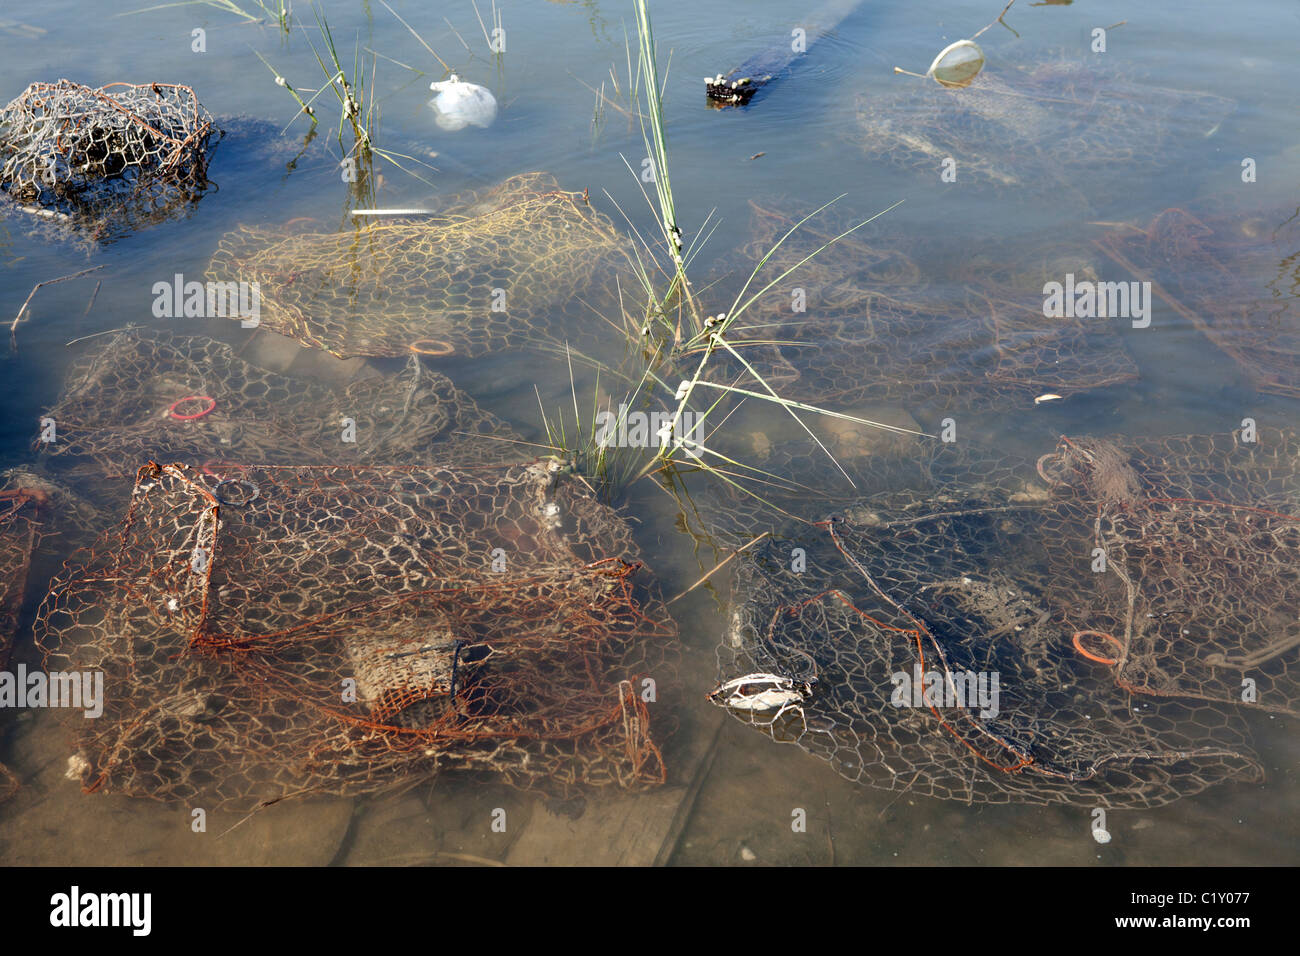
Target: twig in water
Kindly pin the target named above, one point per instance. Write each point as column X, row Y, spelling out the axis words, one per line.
column 999, row 19
column 901, row 793
column 93, row 296
column 125, row 328
column 13, row 329
column 720, row 565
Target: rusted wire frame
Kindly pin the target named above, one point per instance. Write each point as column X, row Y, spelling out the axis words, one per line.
column 597, row 603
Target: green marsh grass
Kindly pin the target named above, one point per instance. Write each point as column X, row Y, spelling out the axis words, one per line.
column 678, row 339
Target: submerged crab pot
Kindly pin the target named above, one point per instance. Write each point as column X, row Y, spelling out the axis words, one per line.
column 485, row 620
column 953, row 642
column 110, row 159
column 894, row 321
column 1232, row 277
column 1039, row 127
column 488, row 272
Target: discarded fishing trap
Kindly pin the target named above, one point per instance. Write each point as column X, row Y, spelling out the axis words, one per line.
column 1089, row 630
column 1041, row 126
column 159, row 396
column 487, row 272
column 108, row 160
column 272, row 631
column 1234, row 277
column 879, row 321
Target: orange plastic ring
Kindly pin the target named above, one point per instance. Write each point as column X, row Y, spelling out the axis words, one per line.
column 212, row 403
column 1093, row 657
column 420, row 347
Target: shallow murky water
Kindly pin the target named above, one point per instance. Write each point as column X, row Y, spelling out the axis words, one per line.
column 801, row 144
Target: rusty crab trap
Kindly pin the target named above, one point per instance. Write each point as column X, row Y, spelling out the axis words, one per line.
column 148, row 395
column 272, row 631
column 1040, row 126
column 1232, row 277
column 107, row 160
column 883, row 321
column 486, row 272
column 1091, row 631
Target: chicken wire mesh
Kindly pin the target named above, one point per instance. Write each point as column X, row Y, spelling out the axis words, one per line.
column 882, row 323
column 1041, row 126
column 488, row 272
column 1133, row 601
column 155, row 395
column 1235, row 277
column 228, row 634
column 105, row 160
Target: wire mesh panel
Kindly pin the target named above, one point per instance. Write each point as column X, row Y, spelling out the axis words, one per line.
column 1087, row 631
column 269, row 631
column 486, row 273
column 109, row 159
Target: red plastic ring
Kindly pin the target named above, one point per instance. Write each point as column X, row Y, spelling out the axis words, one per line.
column 212, row 403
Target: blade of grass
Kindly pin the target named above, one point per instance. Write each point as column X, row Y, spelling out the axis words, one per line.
column 432, row 52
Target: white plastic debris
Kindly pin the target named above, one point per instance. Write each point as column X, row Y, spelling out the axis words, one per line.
column 77, row 766
column 460, row 104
